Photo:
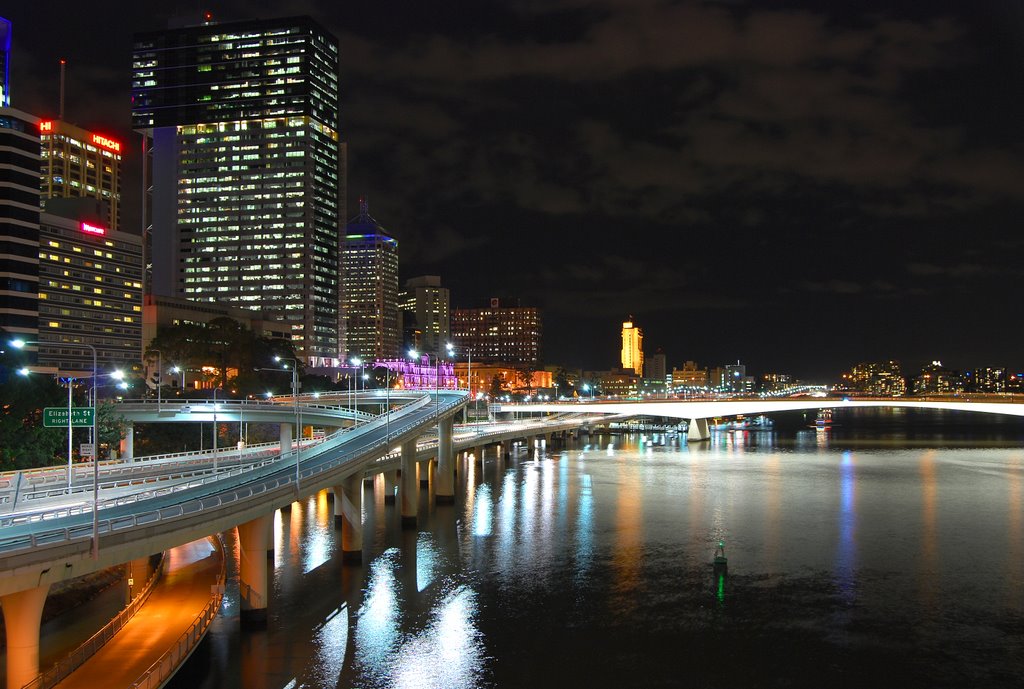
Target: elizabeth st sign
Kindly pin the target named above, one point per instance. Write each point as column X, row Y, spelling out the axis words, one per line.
column 54, row 417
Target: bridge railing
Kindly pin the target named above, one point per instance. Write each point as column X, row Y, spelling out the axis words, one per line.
column 251, row 488
column 157, row 674
column 87, row 649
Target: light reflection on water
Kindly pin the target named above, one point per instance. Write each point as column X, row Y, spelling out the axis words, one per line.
column 598, row 560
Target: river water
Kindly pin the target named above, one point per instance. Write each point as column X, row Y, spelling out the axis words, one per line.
column 887, row 551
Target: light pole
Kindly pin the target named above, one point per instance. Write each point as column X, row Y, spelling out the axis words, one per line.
column 179, row 369
column 356, row 361
column 298, row 414
column 159, row 377
column 20, row 344
column 215, row 430
column 469, row 373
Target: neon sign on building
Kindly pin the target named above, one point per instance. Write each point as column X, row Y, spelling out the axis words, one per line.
column 93, row 229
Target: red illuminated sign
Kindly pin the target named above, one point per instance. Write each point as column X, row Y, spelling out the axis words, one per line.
column 93, row 229
column 106, row 143
column 46, row 126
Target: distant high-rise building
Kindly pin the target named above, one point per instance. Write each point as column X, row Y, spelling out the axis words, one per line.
column 689, row 376
column 80, row 164
column 988, row 379
column 736, row 379
column 499, row 333
column 425, row 315
column 90, row 292
column 369, row 292
column 245, row 169
column 19, row 223
column 937, row 379
column 5, row 63
column 656, row 366
column 882, row 379
column 632, row 348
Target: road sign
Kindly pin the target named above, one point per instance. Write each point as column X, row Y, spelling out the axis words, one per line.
column 57, row 417
column 87, row 449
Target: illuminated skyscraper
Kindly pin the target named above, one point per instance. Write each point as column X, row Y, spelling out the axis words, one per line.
column 78, row 163
column 369, row 296
column 632, row 348
column 245, row 169
column 425, row 315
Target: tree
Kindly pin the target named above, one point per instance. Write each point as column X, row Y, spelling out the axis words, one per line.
column 111, row 427
column 26, row 443
column 496, row 388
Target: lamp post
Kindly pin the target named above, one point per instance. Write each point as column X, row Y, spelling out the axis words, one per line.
column 469, row 375
column 356, row 361
column 298, row 414
column 215, row 430
column 179, row 369
column 20, row 344
column 159, row 377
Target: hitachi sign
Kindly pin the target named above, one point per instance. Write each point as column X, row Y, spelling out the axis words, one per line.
column 106, row 143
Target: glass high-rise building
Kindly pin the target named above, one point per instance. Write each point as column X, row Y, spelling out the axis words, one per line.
column 5, row 62
column 19, row 223
column 81, row 164
column 370, row 289
column 245, row 157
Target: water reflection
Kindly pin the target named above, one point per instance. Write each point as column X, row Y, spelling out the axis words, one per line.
column 846, row 556
column 377, row 626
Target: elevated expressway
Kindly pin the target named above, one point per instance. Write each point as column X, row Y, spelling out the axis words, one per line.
column 697, row 412
column 45, row 547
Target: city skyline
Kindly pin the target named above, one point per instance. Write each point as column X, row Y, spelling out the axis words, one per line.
column 804, row 188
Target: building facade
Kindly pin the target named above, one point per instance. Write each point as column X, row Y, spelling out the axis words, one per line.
column 245, row 169
column 90, row 293
column 5, row 63
column 424, row 312
column 632, row 347
column 76, row 163
column 880, row 379
column 369, row 290
column 500, row 333
column 19, row 223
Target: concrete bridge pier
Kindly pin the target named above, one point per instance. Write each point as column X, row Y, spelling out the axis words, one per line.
column 408, row 490
column 445, row 463
column 252, row 585
column 23, row 613
column 286, row 437
column 425, row 468
column 270, row 535
column 348, row 507
column 390, row 483
column 478, row 453
column 127, row 446
column 698, row 430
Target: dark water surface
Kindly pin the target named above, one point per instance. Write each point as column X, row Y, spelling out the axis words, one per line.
column 888, row 551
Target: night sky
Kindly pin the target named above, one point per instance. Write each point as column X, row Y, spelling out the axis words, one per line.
column 799, row 185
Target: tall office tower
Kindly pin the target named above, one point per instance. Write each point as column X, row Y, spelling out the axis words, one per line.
column 425, row 314
column 499, row 334
column 19, row 223
column 5, row 63
column 90, row 292
column 632, row 347
column 78, row 163
column 369, row 292
column 657, row 368
column 245, row 169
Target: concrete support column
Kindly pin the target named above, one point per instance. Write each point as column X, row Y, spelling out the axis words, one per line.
column 286, row 437
column 424, row 471
column 270, row 535
column 698, row 430
column 390, row 483
column 252, row 585
column 408, row 490
column 127, row 448
column 348, row 509
column 445, row 463
column 478, row 452
column 23, row 612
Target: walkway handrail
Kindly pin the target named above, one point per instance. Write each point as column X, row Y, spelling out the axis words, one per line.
column 164, row 668
column 243, row 492
column 88, row 648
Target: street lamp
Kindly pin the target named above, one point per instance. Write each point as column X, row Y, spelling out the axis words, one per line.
column 20, row 344
column 469, row 375
column 356, row 361
column 159, row 377
column 179, row 369
column 298, row 414
column 215, row 430
column 587, row 387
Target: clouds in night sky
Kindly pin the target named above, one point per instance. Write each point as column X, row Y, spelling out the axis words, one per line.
column 715, row 168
